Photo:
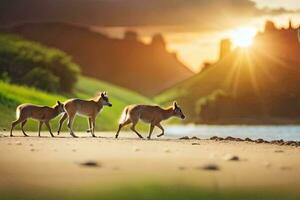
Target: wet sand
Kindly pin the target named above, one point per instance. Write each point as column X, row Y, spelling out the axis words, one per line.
column 66, row 163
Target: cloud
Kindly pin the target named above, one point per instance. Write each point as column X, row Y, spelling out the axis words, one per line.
column 174, row 14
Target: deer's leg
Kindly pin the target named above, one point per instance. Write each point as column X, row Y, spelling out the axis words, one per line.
column 161, row 128
column 15, row 123
column 49, row 128
column 90, row 125
column 133, row 128
column 93, row 120
column 22, row 127
column 120, row 127
column 61, row 122
column 40, row 126
column 70, row 123
column 150, row 132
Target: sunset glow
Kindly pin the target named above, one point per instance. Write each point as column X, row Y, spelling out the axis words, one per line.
column 243, row 37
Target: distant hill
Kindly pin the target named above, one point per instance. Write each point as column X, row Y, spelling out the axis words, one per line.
column 258, row 85
column 145, row 68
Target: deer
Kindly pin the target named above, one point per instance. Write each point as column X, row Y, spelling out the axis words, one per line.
column 43, row 114
column 151, row 114
column 87, row 108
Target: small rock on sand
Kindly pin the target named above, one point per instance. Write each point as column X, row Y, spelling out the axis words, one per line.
column 278, row 151
column 184, row 138
column 181, row 168
column 195, row 143
column 209, row 167
column 32, row 150
column 18, row 143
column 74, row 150
column 285, row 168
column 90, row 164
column 31, row 145
column 230, row 157
column 259, row 141
column 248, row 140
column 167, row 151
column 267, row 164
column 194, row 138
column 136, row 149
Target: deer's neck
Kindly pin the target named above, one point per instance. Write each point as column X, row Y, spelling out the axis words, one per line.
column 100, row 105
column 55, row 112
column 167, row 113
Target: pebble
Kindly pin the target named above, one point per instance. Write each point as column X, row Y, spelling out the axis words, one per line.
column 229, row 157
column 74, row 150
column 184, row 138
column 210, row 167
column 195, row 143
column 278, row 151
column 285, row 168
column 90, row 164
column 267, row 164
column 181, row 168
column 167, row 151
column 18, row 143
column 32, row 149
column 136, row 149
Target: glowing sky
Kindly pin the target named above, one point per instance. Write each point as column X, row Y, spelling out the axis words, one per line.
column 192, row 28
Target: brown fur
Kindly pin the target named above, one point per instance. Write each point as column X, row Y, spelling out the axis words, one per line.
column 89, row 108
column 41, row 113
column 149, row 114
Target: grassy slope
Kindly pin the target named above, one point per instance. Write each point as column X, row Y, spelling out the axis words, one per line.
column 155, row 191
column 12, row 95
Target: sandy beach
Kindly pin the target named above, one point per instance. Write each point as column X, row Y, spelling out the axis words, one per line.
column 64, row 163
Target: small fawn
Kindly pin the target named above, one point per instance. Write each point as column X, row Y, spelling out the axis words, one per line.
column 43, row 114
column 149, row 114
column 89, row 108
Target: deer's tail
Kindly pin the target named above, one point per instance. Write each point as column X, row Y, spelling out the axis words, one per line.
column 18, row 112
column 124, row 117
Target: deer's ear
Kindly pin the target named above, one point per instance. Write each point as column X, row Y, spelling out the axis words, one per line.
column 102, row 94
column 175, row 104
column 58, row 102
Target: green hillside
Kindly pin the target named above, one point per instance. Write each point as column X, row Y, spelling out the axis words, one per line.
column 248, row 86
column 12, row 95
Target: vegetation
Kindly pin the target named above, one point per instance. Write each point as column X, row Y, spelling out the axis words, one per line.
column 32, row 64
column 157, row 192
column 12, row 95
column 245, row 87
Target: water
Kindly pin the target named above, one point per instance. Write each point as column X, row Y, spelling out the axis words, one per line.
column 254, row 132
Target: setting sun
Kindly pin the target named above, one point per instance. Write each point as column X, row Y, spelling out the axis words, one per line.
column 243, row 37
